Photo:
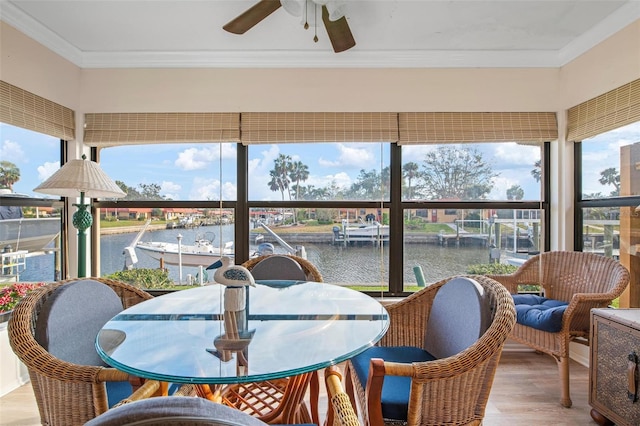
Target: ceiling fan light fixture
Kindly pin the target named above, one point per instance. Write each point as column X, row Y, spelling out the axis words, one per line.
column 302, row 9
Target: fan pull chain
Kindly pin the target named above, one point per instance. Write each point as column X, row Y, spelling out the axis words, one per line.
column 315, row 18
column 306, row 15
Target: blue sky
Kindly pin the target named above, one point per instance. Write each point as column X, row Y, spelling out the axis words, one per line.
column 192, row 172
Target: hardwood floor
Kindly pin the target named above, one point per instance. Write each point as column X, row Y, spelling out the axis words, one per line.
column 525, row 392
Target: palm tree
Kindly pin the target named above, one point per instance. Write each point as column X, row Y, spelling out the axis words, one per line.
column 276, row 184
column 410, row 171
column 9, row 174
column 611, row 176
column 537, row 170
column 299, row 173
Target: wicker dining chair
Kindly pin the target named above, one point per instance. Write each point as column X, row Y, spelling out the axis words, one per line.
column 71, row 384
column 279, row 400
column 572, row 283
column 271, row 268
column 421, row 372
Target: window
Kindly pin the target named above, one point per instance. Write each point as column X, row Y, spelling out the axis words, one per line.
column 485, row 205
column 30, row 224
column 180, row 198
column 608, row 179
column 329, row 200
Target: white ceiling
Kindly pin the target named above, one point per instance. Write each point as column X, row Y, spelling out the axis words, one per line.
column 388, row 33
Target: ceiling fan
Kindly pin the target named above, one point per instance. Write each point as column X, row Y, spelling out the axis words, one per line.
column 334, row 21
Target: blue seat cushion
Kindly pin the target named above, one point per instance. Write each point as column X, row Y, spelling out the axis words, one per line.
column 117, row 391
column 539, row 312
column 395, row 389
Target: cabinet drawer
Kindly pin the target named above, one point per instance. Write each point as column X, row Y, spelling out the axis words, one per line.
column 615, row 355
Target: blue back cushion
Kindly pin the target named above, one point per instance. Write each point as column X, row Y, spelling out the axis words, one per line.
column 278, row 268
column 539, row 312
column 395, row 389
column 71, row 317
column 460, row 314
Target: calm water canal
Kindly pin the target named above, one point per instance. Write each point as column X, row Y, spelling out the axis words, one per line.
column 338, row 264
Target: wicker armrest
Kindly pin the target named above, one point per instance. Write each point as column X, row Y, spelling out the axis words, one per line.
column 341, row 412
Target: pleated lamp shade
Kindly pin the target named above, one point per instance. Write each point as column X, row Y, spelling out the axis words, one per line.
column 78, row 176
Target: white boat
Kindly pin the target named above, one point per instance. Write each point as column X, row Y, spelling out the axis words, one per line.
column 24, row 233
column 366, row 231
column 202, row 253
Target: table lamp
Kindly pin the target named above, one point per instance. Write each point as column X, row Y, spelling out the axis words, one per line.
column 83, row 177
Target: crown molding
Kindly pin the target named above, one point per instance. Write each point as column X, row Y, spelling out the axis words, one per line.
column 299, row 59
column 34, row 29
column 625, row 15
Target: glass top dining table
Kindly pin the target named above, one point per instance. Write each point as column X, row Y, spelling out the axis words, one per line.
column 220, row 335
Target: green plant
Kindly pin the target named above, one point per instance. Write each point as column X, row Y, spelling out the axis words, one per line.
column 144, row 278
column 10, row 295
column 491, row 269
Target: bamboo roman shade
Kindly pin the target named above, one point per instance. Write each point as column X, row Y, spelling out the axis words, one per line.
column 608, row 111
column 108, row 129
column 280, row 127
column 24, row 109
column 454, row 127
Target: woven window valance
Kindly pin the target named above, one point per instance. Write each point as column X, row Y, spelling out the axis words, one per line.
column 108, row 129
column 282, row 127
column 454, row 127
column 24, row 109
column 608, row 111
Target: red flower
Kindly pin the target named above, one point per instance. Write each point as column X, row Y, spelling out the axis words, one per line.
column 11, row 295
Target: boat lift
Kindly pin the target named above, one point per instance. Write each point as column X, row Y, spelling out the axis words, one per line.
column 130, row 257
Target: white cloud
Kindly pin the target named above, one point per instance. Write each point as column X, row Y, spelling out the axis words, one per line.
column 210, row 189
column 356, row 156
column 341, row 179
column 514, row 155
column 200, row 158
column 11, row 151
column 500, row 186
column 47, row 169
column 166, row 188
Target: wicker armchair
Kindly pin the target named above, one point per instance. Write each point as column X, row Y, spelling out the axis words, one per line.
column 584, row 281
column 68, row 394
column 450, row 390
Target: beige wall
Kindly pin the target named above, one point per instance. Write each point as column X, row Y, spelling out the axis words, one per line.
column 244, row 90
column 27, row 64
column 612, row 63
column 32, row 67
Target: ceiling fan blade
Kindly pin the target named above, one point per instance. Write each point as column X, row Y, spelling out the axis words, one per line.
column 256, row 13
column 339, row 32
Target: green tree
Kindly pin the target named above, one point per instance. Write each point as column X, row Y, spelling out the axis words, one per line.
column 410, row 171
column 456, row 173
column 280, row 180
column 9, row 174
column 151, row 191
column 132, row 193
column 537, row 171
column 370, row 185
column 515, row 193
column 611, row 176
column 299, row 173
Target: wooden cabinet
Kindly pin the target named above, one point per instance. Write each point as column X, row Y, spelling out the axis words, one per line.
column 613, row 372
